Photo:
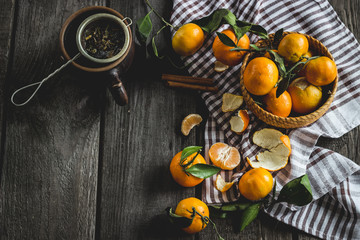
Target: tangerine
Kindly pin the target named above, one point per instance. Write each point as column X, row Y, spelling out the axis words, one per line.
column 279, row 106
column 222, row 52
column 256, row 184
column 190, row 207
column 178, row 171
column 260, row 76
column 305, row 97
column 188, row 39
column 321, row 71
column 293, row 46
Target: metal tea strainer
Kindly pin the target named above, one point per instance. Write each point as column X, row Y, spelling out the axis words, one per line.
column 82, row 52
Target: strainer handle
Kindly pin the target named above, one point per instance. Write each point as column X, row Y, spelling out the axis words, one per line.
column 117, row 88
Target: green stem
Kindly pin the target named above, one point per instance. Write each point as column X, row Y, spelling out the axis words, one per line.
column 190, row 162
column 298, row 63
column 247, row 50
column 205, row 221
column 162, row 19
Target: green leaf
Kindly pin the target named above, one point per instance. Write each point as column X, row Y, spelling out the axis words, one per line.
column 279, row 62
column 226, row 40
column 297, row 191
column 235, row 206
column 282, row 85
column 154, row 44
column 249, row 215
column 256, row 29
column 255, row 47
column 216, row 212
column 230, row 18
column 179, row 221
column 213, row 21
column 201, row 170
column 143, row 28
column 240, row 31
column 186, row 152
column 278, row 35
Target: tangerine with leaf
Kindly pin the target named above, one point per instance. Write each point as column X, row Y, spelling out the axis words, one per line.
column 179, row 166
column 195, row 209
column 223, row 52
column 279, row 106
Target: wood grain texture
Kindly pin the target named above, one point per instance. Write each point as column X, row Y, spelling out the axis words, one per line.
column 49, row 177
column 6, row 27
column 139, row 143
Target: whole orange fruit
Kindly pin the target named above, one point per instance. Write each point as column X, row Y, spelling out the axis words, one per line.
column 185, row 208
column 188, row 39
column 178, row 173
column 260, row 76
column 321, row 71
column 280, row 106
column 305, row 97
column 222, row 52
column 256, row 184
column 293, row 46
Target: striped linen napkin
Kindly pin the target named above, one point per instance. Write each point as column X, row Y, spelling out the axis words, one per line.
column 335, row 180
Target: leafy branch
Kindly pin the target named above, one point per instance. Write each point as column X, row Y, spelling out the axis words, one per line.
column 199, row 170
column 243, row 212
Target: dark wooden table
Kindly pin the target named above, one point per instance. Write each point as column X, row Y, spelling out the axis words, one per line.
column 74, row 165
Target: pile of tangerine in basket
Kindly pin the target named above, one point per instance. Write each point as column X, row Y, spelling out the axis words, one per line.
column 310, row 74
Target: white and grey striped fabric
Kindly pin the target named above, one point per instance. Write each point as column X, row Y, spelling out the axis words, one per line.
column 335, row 180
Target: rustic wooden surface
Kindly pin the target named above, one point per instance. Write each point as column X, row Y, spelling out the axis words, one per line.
column 73, row 165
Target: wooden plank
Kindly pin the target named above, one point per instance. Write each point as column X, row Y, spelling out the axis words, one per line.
column 7, row 20
column 49, row 178
column 139, row 142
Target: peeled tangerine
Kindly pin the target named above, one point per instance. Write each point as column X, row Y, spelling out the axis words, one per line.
column 240, row 122
column 221, row 185
column 278, row 149
column 224, row 156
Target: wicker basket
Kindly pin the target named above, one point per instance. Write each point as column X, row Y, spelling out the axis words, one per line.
column 292, row 121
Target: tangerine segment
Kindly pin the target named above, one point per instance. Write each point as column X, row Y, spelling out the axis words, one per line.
column 185, row 209
column 279, row 106
column 321, row 71
column 188, row 39
column 220, row 67
column 293, row 46
column 256, row 184
column 224, row 156
column 179, row 175
column 305, row 97
column 222, row 52
column 221, row 185
column 260, row 76
column 240, row 122
column 189, row 122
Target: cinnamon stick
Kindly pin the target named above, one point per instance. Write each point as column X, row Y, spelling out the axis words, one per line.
column 192, row 86
column 188, row 79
